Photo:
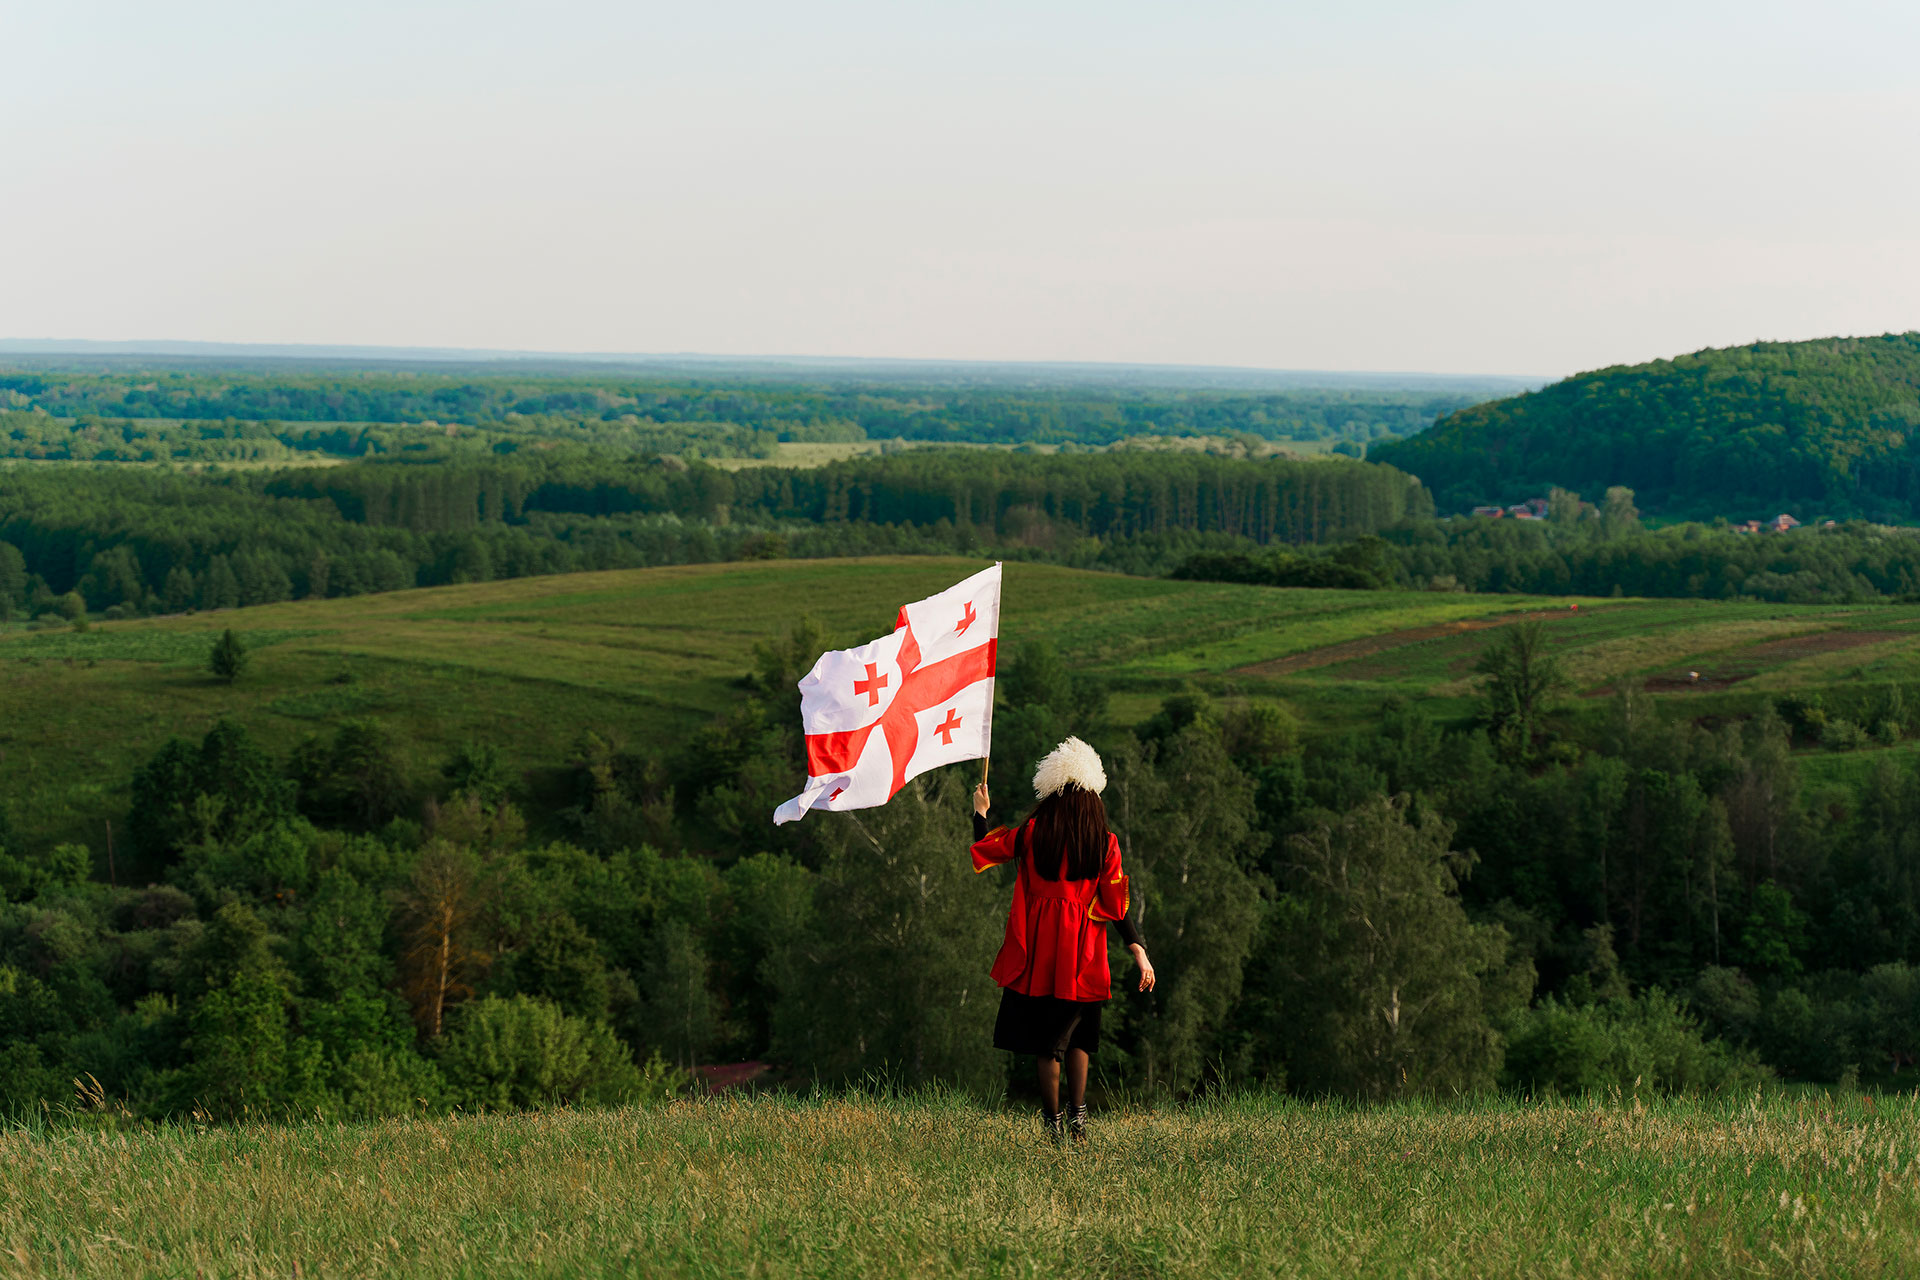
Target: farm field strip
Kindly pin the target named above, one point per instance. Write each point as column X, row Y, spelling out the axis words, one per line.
column 1251, row 645
column 809, row 454
column 1842, row 662
column 1393, row 652
column 1451, row 644
column 1705, row 643
column 1646, row 640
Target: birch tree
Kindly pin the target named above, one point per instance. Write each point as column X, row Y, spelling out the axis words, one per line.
column 1393, row 990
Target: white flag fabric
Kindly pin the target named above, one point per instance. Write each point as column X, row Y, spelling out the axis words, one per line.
column 887, row 712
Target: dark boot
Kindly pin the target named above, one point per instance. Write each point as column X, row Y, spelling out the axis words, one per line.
column 1077, row 1122
column 1055, row 1126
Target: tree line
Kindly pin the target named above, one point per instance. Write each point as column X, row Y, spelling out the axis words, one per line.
column 124, row 542
column 36, row 436
column 1023, row 497
column 142, row 541
column 1595, row 550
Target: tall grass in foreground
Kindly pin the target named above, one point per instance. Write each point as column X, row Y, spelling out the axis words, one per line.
column 938, row 1186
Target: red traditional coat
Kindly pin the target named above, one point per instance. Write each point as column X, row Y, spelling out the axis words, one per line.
column 1056, row 932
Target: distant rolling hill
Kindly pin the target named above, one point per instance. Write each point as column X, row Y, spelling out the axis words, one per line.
column 1828, row 427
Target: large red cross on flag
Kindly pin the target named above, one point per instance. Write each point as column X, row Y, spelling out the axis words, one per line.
column 909, row 702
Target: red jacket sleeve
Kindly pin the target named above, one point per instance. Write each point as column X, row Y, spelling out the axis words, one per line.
column 1110, row 899
column 993, row 849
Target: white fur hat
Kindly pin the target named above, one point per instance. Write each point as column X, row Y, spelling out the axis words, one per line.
column 1073, row 761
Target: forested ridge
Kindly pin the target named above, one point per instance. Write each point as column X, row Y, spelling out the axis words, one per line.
column 1828, row 427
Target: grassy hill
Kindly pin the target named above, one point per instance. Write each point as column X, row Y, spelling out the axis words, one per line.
column 1808, row 1185
column 646, row 655
column 1825, row 427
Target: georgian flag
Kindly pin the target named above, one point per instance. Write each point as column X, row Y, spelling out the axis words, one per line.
column 889, row 711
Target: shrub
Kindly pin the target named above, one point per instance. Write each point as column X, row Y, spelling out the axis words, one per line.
column 1834, row 1023
column 1804, row 715
column 228, row 660
column 375, row 1083
column 21, row 878
column 1843, row 735
column 26, row 1081
column 521, row 1051
column 1647, row 1041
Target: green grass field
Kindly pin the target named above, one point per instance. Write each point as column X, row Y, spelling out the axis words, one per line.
column 646, row 655
column 820, row 453
column 1792, row 1185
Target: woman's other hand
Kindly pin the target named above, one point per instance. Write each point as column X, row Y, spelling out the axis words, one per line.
column 1146, row 966
column 981, row 800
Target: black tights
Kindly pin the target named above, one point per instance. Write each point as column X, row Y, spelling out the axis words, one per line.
column 1076, row 1081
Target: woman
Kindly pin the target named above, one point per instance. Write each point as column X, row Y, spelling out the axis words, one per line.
column 1052, row 968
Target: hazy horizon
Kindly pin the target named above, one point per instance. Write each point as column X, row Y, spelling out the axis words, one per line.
column 135, row 349
column 1488, row 189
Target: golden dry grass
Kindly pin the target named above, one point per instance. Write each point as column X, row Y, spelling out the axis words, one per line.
column 939, row 1187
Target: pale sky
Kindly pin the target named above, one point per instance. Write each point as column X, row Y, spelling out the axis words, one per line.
column 1528, row 188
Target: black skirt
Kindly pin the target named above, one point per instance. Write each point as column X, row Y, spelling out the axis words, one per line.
column 1046, row 1026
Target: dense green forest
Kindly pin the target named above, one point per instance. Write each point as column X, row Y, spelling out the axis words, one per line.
column 1829, row 428
column 155, row 414
column 1649, row 903
column 76, row 540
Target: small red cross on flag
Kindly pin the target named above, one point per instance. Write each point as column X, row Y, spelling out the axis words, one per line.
column 886, row 712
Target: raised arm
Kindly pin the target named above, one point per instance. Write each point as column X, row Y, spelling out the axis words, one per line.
column 990, row 847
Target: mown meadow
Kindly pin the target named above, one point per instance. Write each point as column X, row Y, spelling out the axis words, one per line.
column 644, row 655
column 1789, row 1184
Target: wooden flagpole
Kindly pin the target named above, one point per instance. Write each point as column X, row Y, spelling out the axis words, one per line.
column 986, row 761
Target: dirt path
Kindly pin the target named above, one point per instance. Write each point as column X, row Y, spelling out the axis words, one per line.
column 1367, row 646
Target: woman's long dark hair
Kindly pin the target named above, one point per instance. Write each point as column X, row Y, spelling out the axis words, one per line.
column 1070, row 834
